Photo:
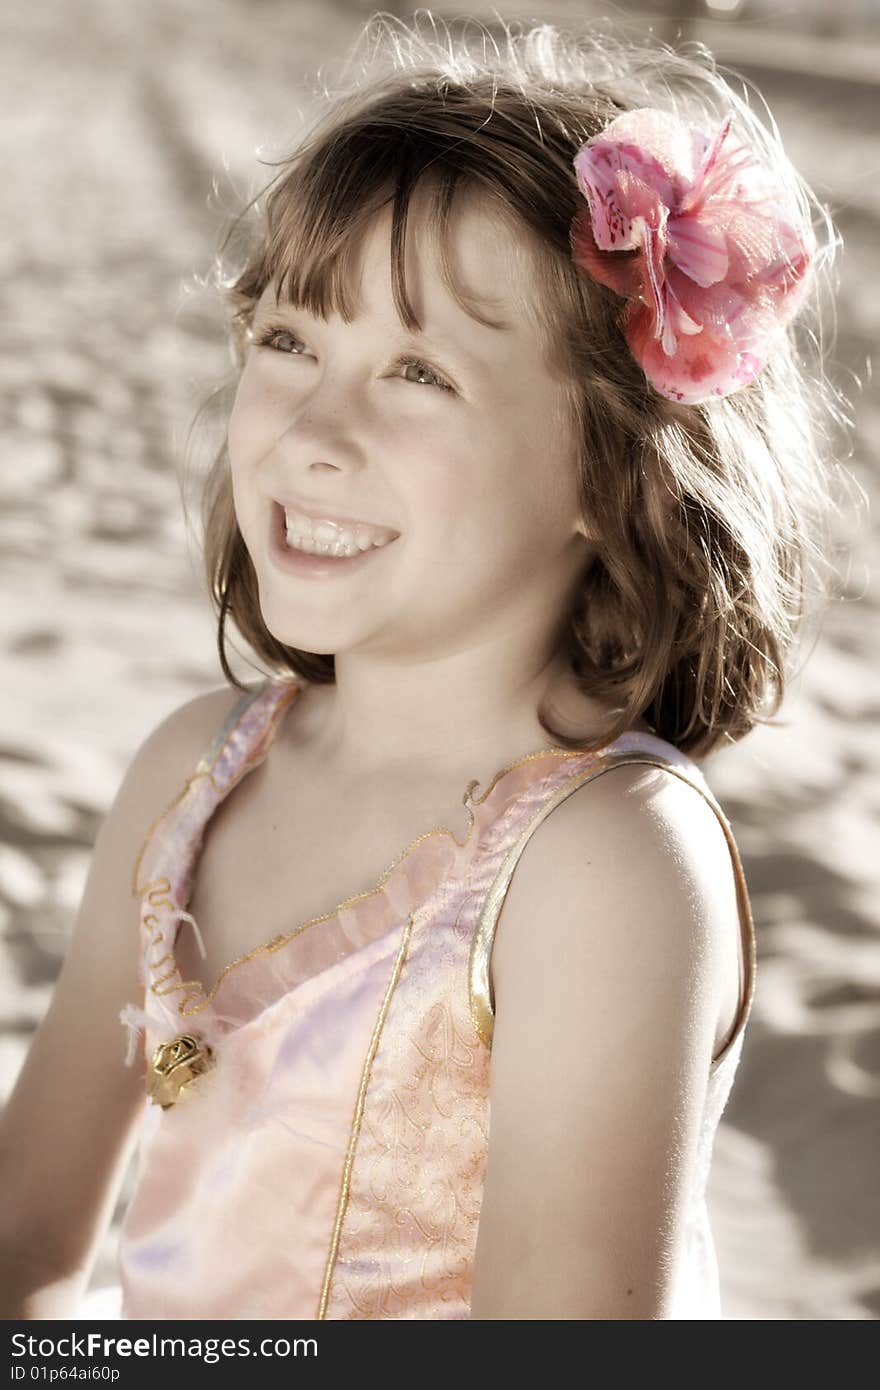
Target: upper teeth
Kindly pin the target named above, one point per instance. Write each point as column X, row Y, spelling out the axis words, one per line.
column 331, row 537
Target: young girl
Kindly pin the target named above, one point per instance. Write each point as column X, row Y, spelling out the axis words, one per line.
column 433, row 946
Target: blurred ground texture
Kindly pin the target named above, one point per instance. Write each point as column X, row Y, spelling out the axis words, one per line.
column 116, row 119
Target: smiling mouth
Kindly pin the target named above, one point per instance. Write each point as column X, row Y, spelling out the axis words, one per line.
column 323, row 536
column 308, row 556
column 332, row 538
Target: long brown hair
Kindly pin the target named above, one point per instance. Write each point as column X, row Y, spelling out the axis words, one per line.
column 712, row 522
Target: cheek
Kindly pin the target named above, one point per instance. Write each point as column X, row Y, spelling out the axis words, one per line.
column 439, row 494
column 247, row 442
column 460, row 486
column 237, row 430
column 250, row 420
column 430, row 470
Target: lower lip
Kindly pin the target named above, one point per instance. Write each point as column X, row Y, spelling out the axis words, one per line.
column 313, row 566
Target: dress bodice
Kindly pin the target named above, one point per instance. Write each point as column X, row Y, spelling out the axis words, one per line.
column 326, row 1158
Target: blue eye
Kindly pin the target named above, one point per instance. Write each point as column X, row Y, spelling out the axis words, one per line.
column 269, row 337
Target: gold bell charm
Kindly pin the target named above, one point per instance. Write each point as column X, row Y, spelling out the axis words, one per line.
column 174, row 1065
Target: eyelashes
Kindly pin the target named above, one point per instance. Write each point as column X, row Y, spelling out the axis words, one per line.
column 269, row 335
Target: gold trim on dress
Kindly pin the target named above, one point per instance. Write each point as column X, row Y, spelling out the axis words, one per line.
column 480, row 990
column 354, row 1133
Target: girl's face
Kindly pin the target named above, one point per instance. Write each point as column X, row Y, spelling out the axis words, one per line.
column 462, row 453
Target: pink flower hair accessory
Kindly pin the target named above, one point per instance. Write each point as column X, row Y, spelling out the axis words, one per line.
column 693, row 233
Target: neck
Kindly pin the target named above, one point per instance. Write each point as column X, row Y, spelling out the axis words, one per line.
column 435, row 717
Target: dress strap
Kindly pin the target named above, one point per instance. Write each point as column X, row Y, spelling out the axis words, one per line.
column 482, row 1000
column 169, row 842
column 211, row 754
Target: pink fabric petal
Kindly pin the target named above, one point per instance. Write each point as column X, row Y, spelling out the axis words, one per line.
column 673, row 321
column 698, row 248
column 704, row 366
column 707, row 172
column 654, row 267
column 625, row 189
column 748, row 313
column 715, row 267
column 723, row 309
column 679, row 318
column 666, row 153
column 621, row 273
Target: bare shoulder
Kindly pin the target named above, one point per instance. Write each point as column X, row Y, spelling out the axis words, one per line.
column 608, row 968
column 633, row 859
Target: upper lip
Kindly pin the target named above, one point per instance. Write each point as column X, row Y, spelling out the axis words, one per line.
column 318, row 513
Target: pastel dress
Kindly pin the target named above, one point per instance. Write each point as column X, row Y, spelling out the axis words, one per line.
column 314, row 1137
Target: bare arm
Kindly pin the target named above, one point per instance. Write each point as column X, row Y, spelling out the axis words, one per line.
column 70, row 1125
column 610, row 971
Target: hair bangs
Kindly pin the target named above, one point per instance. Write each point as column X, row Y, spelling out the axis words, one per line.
column 317, row 223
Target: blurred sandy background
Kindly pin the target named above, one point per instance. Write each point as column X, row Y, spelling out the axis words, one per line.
column 118, row 120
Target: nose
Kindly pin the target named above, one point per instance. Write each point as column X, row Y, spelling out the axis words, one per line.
column 324, row 432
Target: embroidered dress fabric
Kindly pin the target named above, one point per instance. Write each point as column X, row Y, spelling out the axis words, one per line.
column 329, row 1163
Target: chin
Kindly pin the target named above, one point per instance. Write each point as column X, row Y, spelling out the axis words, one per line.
column 298, row 633
column 299, row 638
